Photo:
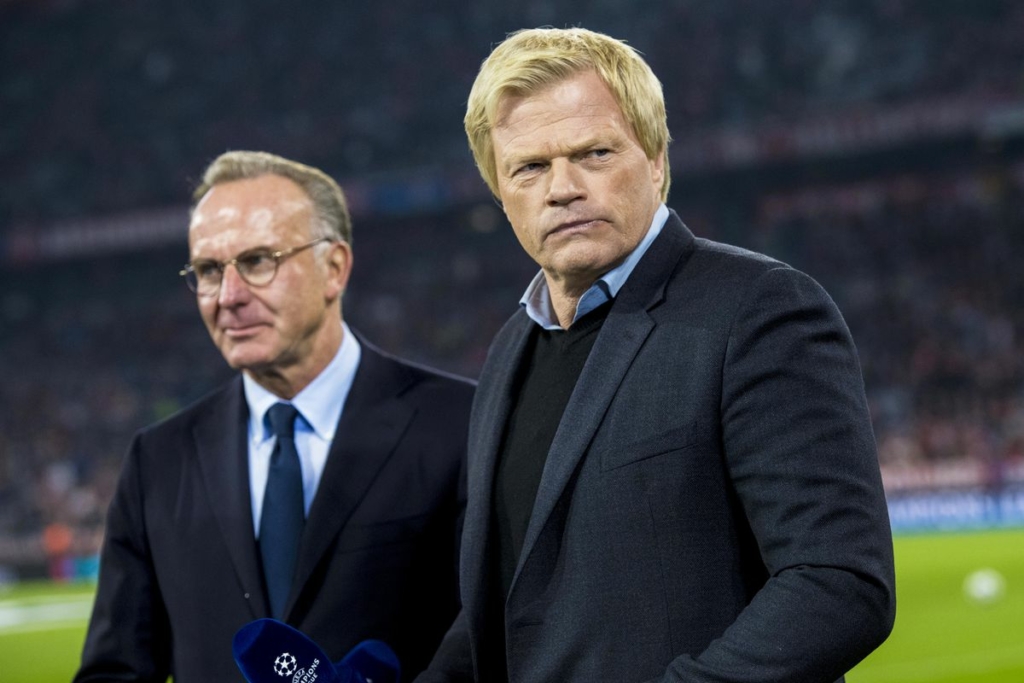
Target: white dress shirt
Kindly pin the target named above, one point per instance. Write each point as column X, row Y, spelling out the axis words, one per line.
column 320, row 406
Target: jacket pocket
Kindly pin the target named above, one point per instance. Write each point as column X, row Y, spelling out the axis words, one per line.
column 679, row 438
column 358, row 536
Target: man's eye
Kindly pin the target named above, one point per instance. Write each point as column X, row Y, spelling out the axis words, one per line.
column 599, row 153
column 206, row 269
column 257, row 260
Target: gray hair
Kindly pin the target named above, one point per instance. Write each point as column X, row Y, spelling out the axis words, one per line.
column 329, row 206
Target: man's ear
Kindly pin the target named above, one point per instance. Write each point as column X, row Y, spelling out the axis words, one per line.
column 658, row 169
column 339, row 268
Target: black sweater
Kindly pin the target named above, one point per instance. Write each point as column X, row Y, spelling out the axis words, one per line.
column 551, row 365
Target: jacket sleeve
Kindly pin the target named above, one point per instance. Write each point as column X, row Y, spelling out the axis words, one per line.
column 129, row 636
column 800, row 452
column 453, row 661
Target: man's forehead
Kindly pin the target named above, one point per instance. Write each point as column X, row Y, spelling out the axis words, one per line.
column 253, row 215
column 539, row 133
column 235, row 217
column 252, row 203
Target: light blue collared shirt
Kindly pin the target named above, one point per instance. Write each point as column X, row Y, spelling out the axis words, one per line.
column 537, row 299
column 320, row 405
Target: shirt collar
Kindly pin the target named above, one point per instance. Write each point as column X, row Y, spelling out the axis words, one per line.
column 537, row 299
column 320, row 403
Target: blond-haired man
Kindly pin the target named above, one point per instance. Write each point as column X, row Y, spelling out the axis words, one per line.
column 672, row 473
column 323, row 486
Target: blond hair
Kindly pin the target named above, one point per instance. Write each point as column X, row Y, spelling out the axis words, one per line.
column 329, row 206
column 530, row 60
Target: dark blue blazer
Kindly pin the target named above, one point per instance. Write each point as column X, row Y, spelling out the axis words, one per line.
column 180, row 571
column 711, row 508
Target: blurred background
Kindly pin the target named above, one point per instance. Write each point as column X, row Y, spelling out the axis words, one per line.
column 877, row 145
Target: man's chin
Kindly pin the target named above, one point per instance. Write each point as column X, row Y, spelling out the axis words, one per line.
column 245, row 356
column 580, row 269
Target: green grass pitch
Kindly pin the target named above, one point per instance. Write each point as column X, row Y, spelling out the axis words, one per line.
column 940, row 637
column 42, row 626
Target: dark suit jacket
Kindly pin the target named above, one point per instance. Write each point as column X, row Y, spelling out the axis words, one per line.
column 180, row 571
column 711, row 507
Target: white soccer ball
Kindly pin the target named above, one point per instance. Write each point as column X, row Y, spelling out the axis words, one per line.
column 984, row 586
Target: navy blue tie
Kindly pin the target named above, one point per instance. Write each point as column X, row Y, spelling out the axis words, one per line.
column 283, row 513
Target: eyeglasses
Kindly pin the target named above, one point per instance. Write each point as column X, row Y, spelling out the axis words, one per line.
column 257, row 267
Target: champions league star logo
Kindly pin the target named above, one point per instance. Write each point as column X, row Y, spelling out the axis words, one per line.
column 303, row 661
column 284, row 665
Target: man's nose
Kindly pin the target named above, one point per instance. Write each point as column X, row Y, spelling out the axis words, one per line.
column 233, row 289
column 565, row 183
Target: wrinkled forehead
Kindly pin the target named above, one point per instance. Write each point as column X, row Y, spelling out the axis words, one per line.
column 250, row 213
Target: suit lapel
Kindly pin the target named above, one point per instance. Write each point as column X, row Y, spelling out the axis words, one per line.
column 491, row 411
column 220, row 436
column 372, row 422
column 627, row 327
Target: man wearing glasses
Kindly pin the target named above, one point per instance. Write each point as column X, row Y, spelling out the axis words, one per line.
column 323, row 486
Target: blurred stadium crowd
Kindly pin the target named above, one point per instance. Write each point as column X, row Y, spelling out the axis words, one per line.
column 115, row 104
column 877, row 145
